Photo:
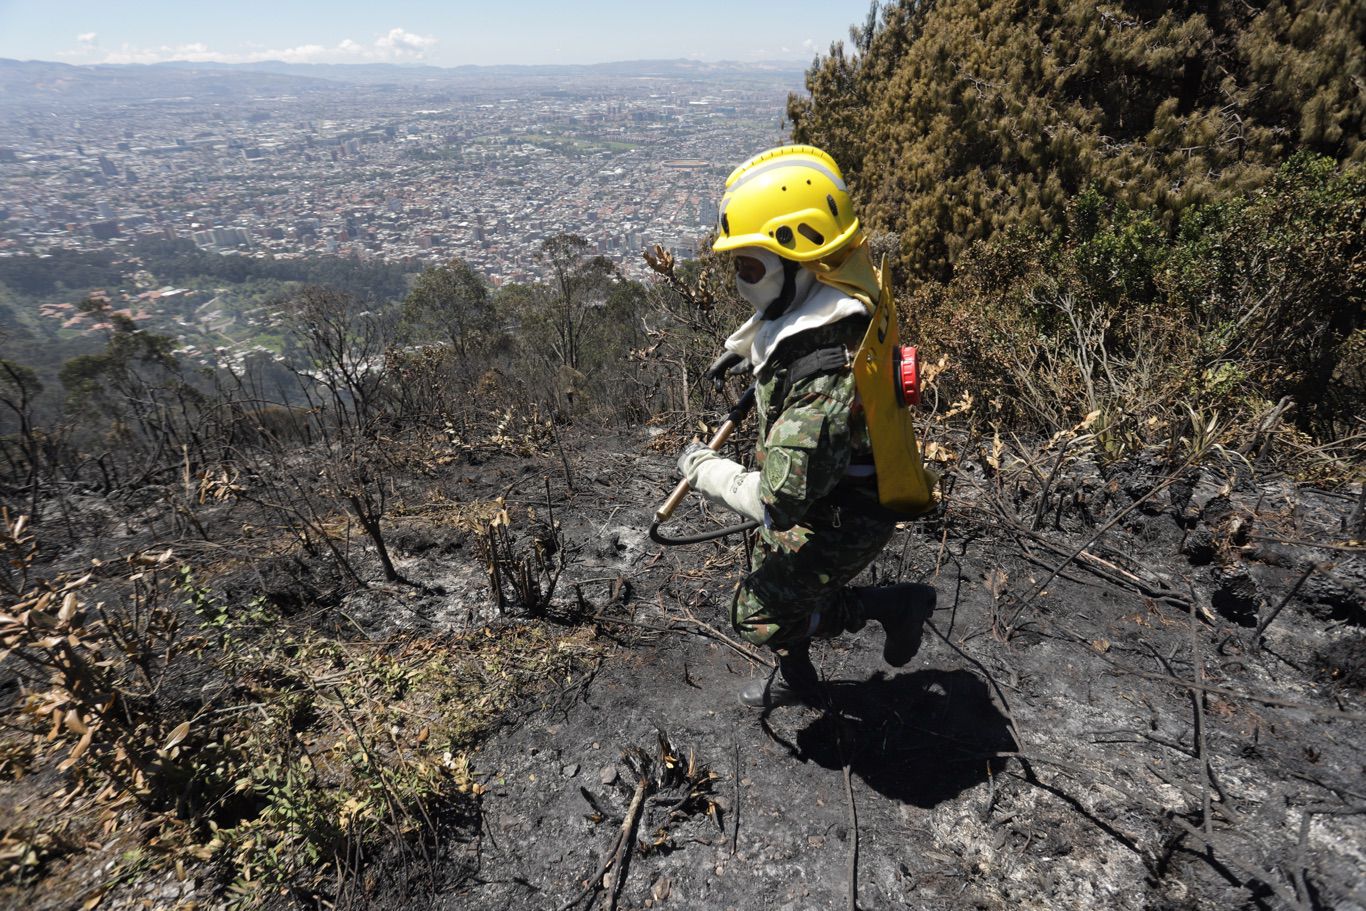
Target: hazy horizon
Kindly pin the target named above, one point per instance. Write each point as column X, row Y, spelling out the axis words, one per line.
column 792, row 65
column 457, row 34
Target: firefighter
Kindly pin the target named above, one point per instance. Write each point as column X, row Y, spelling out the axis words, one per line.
column 802, row 262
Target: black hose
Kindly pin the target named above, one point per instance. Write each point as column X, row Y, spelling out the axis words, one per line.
column 660, row 538
column 737, row 414
column 743, row 406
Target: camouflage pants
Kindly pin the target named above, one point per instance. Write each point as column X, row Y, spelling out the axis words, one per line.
column 804, row 571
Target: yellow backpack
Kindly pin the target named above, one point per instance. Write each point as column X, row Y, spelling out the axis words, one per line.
column 886, row 375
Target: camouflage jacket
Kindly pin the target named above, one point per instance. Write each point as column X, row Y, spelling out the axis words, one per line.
column 809, row 433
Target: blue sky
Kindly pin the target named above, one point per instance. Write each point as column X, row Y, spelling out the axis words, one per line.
column 399, row 31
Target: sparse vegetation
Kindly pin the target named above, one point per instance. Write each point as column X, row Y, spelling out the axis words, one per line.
column 1254, row 309
column 279, row 756
column 259, row 619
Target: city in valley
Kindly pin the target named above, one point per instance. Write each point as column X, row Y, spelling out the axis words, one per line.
column 411, row 166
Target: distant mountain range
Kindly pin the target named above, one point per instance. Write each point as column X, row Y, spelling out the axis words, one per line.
column 34, row 81
column 390, row 72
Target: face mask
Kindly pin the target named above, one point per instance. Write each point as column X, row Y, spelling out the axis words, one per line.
column 782, row 284
column 765, row 291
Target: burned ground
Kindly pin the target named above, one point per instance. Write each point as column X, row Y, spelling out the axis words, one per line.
column 1094, row 745
column 1164, row 713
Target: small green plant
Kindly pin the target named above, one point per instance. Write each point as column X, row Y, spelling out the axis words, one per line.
column 232, row 626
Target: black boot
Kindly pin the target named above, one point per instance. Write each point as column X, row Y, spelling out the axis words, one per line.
column 902, row 610
column 796, row 682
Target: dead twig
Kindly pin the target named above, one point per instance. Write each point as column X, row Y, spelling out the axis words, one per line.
column 1261, row 627
column 1046, row 487
column 1297, row 876
column 626, row 843
column 1232, row 694
column 735, row 826
column 1106, row 570
column 616, row 853
column 1230, row 815
column 1229, row 854
column 709, row 632
column 1347, row 548
column 853, row 838
column 1121, row 668
column 701, row 629
column 1198, row 702
column 999, row 700
column 1162, row 485
column 564, row 460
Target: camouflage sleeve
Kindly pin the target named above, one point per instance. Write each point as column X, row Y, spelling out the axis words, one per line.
column 807, row 448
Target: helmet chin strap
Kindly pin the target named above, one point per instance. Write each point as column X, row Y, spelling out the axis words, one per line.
column 778, row 306
column 797, row 284
column 785, row 282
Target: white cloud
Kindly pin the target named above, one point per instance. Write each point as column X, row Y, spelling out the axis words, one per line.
column 404, row 44
column 396, row 45
column 87, row 37
column 809, row 44
column 304, row 53
column 195, row 52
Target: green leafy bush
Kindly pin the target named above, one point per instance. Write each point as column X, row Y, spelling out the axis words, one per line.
column 958, row 119
column 1251, row 300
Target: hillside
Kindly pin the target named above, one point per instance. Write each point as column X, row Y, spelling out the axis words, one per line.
column 368, row 615
column 957, row 120
column 1169, row 718
column 412, row 644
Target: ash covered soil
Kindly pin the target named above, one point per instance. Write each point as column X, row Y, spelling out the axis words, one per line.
column 1171, row 718
column 1140, row 689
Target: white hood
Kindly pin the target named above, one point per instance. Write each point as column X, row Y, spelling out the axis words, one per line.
column 758, row 338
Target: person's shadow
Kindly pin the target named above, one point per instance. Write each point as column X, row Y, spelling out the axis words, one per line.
column 920, row 738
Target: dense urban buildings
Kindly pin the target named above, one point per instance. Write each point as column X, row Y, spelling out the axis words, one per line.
column 476, row 164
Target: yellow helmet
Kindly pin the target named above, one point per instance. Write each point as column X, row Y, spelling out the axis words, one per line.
column 791, row 200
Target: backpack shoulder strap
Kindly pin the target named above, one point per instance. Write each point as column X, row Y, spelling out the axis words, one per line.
column 822, row 360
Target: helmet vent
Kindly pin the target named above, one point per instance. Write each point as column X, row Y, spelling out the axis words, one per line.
column 811, row 234
column 834, row 209
column 784, row 236
column 725, row 224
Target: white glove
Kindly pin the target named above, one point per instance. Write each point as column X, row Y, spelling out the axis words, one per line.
column 722, row 481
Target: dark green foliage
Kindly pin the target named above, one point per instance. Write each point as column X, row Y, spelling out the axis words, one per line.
column 958, row 119
column 577, row 283
column 571, row 335
column 179, row 262
column 1276, row 283
column 451, row 304
column 18, row 383
column 62, row 270
column 105, row 381
column 1255, row 298
column 37, row 341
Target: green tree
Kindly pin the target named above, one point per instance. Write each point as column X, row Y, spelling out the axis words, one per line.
column 1255, row 299
column 450, row 303
column 114, row 382
column 578, row 284
column 961, row 118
